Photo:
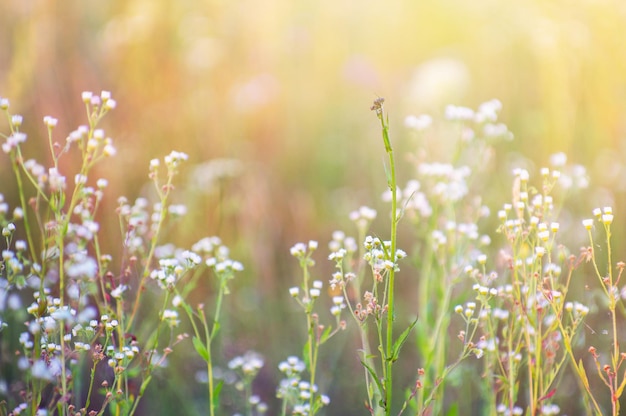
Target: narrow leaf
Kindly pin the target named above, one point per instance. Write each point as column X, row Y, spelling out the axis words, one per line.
column 216, row 393
column 401, row 340
column 381, row 390
column 583, row 373
column 305, row 354
column 325, row 335
column 200, row 349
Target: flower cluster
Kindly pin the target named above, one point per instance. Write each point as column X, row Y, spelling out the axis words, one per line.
column 526, row 298
column 378, row 257
column 247, row 367
column 296, row 392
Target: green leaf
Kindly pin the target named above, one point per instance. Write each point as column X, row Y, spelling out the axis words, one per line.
column 400, row 341
column 187, row 308
column 381, row 390
column 200, row 349
column 216, row 394
column 325, row 335
column 305, row 354
column 216, row 328
column 583, row 373
column 144, row 385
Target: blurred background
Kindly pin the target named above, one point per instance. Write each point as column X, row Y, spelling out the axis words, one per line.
column 271, row 101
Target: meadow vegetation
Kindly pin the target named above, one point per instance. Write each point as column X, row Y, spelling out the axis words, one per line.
column 485, row 302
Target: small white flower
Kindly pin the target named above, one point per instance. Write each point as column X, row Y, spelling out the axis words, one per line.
column 298, row 250
column 109, row 150
column 418, row 123
column 110, row 104
column 558, row 159
column 50, row 121
column 588, row 223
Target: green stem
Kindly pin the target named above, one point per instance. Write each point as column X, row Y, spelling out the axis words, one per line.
column 210, row 382
column 391, row 182
column 153, row 244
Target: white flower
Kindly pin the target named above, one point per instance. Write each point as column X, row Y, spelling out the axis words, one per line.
column 558, row 159
column 50, row 121
column 16, row 120
column 588, row 223
column 418, row 123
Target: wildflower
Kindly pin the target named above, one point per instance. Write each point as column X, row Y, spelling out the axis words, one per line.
column 118, row 291
column 18, row 213
column 250, row 363
column 175, row 158
column 8, row 230
column 298, row 250
column 102, row 183
column 13, row 141
column 337, row 255
column 50, row 122
column 543, row 235
column 558, row 159
column 41, row 371
column 80, row 179
column 56, row 180
column 457, row 113
column 16, row 120
column 171, row 317
column 109, row 149
column 418, row 123
column 291, row 366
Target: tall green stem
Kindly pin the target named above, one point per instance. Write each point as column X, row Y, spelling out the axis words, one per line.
column 391, row 182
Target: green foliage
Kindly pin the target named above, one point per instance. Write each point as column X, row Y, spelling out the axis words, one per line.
column 493, row 297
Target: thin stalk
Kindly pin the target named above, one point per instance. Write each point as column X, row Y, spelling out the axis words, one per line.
column 210, row 382
column 153, row 243
column 391, row 182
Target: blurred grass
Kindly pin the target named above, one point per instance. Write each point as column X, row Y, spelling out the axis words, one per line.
column 285, row 87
